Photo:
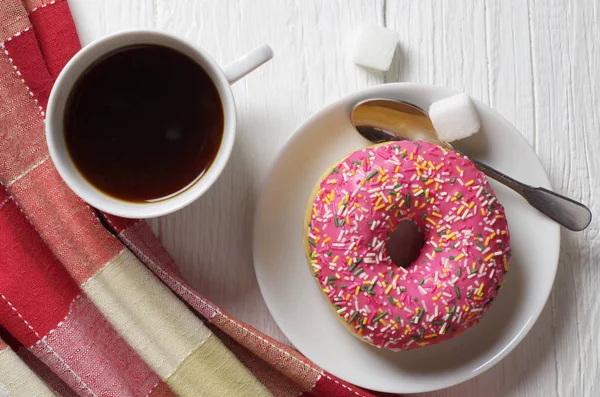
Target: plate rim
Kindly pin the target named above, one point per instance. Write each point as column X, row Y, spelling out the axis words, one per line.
column 378, row 91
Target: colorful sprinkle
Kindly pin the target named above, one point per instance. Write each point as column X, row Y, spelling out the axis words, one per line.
column 363, row 199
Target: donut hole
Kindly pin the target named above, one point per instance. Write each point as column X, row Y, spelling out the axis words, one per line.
column 405, row 243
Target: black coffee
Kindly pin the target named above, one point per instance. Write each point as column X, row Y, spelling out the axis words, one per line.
column 143, row 123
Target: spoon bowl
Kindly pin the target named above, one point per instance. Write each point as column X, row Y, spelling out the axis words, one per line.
column 398, row 119
column 385, row 120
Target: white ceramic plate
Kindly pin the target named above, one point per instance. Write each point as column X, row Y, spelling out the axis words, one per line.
column 303, row 314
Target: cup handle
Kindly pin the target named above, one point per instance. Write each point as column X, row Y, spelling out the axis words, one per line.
column 241, row 67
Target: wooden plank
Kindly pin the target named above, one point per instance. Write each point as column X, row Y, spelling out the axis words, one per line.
column 97, row 18
column 510, row 79
column 513, row 79
column 445, row 43
column 535, row 62
column 441, row 43
column 566, row 56
column 212, row 239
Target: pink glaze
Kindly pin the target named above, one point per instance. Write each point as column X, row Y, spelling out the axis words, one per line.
column 457, row 273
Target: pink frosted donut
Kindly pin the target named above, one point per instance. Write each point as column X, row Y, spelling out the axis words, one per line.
column 459, row 270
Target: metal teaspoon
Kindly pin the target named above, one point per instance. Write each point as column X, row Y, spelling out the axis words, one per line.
column 384, row 120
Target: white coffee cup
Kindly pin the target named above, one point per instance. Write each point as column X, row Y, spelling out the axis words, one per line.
column 222, row 78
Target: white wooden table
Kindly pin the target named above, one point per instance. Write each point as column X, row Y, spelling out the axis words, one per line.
column 537, row 62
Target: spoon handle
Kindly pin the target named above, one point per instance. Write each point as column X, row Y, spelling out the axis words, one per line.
column 569, row 213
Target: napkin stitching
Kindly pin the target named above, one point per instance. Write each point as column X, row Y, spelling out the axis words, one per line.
column 27, row 171
column 344, row 386
column 154, row 387
column 177, row 367
column 16, row 35
column 107, row 219
column 42, row 113
column 278, row 348
column 158, row 269
column 48, row 348
column 169, row 375
column 43, row 6
column 60, row 324
column 320, row 373
column 2, row 204
column 163, row 273
column 18, row 73
column 216, row 311
column 102, row 270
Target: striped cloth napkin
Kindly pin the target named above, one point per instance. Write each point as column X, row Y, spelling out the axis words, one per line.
column 90, row 304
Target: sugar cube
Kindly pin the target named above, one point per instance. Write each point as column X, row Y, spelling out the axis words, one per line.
column 454, row 117
column 374, row 47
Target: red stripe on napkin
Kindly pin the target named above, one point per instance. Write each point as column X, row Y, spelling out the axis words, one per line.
column 30, row 278
column 85, row 246
column 85, row 343
column 81, row 347
column 43, row 308
column 26, row 58
column 330, row 386
column 20, row 122
column 56, row 34
column 41, row 369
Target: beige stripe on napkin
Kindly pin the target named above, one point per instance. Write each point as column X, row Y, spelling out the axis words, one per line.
column 212, row 370
column 157, row 325
column 17, row 380
column 13, row 19
column 165, row 333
